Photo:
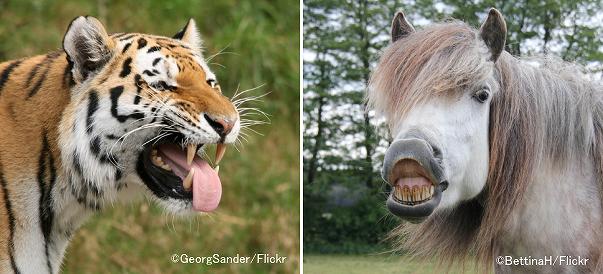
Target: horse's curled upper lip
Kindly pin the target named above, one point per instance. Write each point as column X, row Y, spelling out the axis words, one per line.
column 412, row 157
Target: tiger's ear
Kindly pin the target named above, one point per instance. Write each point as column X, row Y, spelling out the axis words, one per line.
column 494, row 32
column 401, row 27
column 190, row 34
column 87, row 46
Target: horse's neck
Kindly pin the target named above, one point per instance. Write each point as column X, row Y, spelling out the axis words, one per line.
column 560, row 214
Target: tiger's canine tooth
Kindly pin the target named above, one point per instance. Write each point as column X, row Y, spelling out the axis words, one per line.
column 217, row 169
column 188, row 181
column 191, row 150
column 220, row 150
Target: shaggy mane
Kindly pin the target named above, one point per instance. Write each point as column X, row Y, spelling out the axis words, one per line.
column 545, row 112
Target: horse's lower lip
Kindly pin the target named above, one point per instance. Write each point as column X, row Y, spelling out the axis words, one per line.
column 418, row 212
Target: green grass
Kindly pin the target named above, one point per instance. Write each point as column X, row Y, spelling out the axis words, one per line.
column 259, row 211
column 375, row 264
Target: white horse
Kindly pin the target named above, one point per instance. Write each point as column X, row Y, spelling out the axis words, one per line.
column 491, row 156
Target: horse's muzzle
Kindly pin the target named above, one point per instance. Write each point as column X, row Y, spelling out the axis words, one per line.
column 416, row 175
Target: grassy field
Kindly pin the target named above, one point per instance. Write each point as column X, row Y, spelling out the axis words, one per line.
column 375, row 264
column 259, row 212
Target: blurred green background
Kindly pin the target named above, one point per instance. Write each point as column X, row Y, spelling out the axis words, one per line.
column 260, row 204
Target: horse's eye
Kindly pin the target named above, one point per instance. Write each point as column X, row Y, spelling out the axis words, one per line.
column 482, row 95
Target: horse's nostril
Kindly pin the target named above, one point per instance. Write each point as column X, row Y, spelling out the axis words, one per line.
column 444, row 185
column 220, row 125
column 437, row 153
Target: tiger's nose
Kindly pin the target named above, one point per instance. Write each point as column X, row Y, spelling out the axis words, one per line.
column 221, row 125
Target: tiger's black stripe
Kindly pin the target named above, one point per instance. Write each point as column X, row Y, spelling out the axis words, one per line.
column 153, row 49
column 115, row 94
column 6, row 73
column 34, row 71
column 95, row 147
column 42, row 63
column 138, row 81
column 119, row 35
column 147, row 72
column 126, row 68
column 46, row 180
column 126, row 47
column 142, row 43
column 127, row 37
column 92, row 108
column 156, row 61
column 47, row 63
column 11, row 222
column 84, row 188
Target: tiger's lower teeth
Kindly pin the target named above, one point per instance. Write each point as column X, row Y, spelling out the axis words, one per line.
column 414, row 195
column 158, row 161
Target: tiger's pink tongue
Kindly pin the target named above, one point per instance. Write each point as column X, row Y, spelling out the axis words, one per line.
column 207, row 188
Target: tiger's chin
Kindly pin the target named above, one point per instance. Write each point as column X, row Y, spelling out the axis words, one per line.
column 181, row 180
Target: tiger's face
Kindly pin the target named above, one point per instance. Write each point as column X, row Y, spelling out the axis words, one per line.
column 143, row 110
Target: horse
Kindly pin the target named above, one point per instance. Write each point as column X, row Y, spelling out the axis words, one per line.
column 495, row 159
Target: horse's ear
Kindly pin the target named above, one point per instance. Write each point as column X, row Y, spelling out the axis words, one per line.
column 401, row 27
column 494, row 32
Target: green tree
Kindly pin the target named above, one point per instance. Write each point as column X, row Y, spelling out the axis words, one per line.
column 565, row 28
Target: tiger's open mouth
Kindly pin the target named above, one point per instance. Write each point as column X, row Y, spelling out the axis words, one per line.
column 170, row 168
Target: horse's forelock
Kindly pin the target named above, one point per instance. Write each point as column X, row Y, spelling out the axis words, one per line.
column 440, row 59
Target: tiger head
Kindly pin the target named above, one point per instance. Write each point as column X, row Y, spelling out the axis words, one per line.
column 143, row 109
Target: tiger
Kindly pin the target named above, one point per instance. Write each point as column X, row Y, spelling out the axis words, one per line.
column 108, row 118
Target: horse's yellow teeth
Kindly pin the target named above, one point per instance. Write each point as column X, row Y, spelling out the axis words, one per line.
column 188, row 181
column 411, row 195
column 190, row 153
column 220, row 150
column 398, row 193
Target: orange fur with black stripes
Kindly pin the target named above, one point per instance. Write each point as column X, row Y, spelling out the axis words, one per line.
column 76, row 127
